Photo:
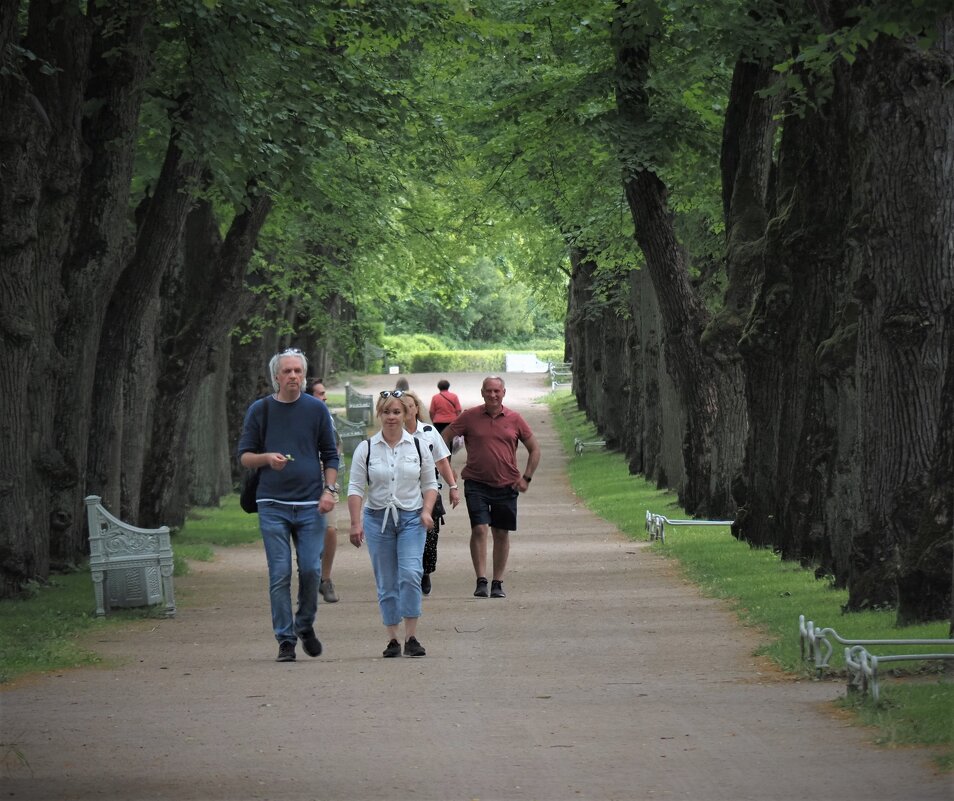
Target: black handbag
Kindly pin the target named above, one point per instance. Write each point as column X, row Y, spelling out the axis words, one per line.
column 250, row 484
column 249, row 491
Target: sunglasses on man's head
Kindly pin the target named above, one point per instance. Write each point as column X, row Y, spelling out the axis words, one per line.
column 291, row 352
column 391, row 393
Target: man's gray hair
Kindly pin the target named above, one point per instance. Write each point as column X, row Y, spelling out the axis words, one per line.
column 273, row 364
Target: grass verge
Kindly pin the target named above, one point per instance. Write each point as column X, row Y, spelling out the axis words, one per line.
column 767, row 593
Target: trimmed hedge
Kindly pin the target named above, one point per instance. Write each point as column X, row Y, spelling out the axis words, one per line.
column 466, row 361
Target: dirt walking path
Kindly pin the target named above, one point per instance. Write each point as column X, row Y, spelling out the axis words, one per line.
column 602, row 675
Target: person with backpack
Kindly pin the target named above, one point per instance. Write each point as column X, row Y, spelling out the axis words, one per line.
column 398, row 478
column 429, row 436
column 289, row 438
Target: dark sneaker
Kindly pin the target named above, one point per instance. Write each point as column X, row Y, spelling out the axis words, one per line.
column 310, row 642
column 426, row 583
column 286, row 651
column 393, row 649
column 413, row 648
column 327, row 589
column 481, row 591
column 496, row 589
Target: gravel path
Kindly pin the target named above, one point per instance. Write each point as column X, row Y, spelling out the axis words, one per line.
column 602, row 675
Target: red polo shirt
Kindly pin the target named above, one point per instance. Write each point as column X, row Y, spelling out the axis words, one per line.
column 491, row 444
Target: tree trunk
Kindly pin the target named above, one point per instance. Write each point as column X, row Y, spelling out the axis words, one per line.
column 126, row 361
column 66, row 140
column 925, row 577
column 211, row 298
column 902, row 117
column 99, row 242
column 578, row 307
column 746, row 164
column 208, row 443
column 682, row 313
column 655, row 413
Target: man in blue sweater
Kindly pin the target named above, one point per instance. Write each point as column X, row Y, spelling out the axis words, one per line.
column 288, row 436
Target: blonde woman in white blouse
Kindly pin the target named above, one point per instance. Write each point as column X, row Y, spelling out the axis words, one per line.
column 399, row 479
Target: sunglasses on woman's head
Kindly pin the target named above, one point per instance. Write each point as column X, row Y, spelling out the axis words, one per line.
column 391, row 393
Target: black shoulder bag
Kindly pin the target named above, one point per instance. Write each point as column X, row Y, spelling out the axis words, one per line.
column 250, row 486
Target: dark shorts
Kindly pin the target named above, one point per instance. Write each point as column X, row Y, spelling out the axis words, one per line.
column 493, row 506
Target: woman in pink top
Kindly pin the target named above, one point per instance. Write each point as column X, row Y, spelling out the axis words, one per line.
column 445, row 406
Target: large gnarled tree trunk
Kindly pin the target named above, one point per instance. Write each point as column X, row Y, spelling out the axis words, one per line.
column 210, row 297
column 682, row 313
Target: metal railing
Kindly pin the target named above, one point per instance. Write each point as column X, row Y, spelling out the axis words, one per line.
column 579, row 445
column 860, row 664
column 656, row 524
column 561, row 375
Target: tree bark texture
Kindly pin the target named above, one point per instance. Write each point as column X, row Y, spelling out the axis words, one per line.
column 901, row 128
column 655, row 409
column 207, row 297
column 65, row 145
column 28, row 300
column 126, row 361
column 99, row 244
column 846, row 346
column 208, row 443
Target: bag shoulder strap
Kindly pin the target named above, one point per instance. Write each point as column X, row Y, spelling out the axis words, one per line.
column 264, row 424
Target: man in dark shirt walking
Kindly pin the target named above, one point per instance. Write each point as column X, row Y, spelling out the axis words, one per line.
column 289, row 436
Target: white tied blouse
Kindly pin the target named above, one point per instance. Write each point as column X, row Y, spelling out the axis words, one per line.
column 395, row 478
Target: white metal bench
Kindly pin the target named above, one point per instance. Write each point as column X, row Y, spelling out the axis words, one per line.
column 359, row 407
column 579, row 445
column 130, row 566
column 861, row 665
column 656, row 524
column 561, row 375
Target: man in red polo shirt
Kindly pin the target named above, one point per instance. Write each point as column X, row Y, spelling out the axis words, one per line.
column 492, row 480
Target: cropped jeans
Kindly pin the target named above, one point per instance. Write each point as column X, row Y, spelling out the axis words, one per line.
column 281, row 525
column 396, row 549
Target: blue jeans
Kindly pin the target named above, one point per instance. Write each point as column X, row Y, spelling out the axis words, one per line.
column 281, row 525
column 396, row 551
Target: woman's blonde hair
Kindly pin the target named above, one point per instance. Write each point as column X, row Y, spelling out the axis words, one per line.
column 420, row 406
column 384, row 401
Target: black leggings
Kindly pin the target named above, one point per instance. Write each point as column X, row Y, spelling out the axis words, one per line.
column 430, row 543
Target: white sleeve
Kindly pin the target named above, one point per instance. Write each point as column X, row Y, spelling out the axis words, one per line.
column 358, row 477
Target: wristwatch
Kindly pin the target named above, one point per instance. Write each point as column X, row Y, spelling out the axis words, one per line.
column 527, row 478
column 333, row 489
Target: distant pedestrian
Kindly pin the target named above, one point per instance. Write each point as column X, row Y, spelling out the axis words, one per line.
column 428, row 436
column 445, row 406
column 492, row 480
column 290, row 438
column 326, row 586
column 402, row 384
column 398, row 476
